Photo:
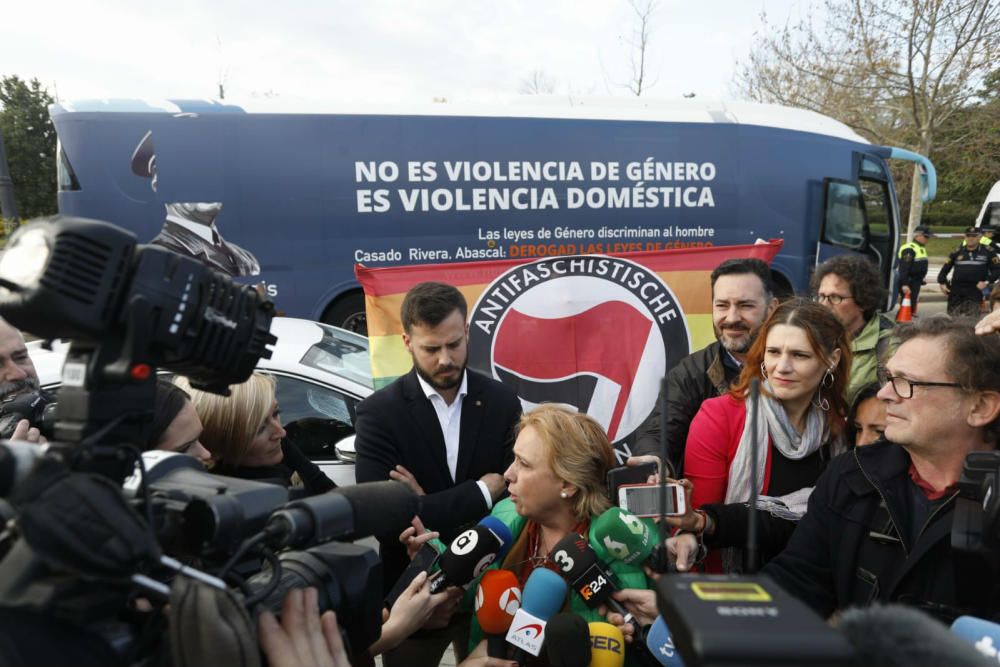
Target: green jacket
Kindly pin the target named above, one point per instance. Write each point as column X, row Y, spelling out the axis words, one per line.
column 871, row 348
column 629, row 576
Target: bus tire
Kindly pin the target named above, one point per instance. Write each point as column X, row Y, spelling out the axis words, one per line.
column 348, row 312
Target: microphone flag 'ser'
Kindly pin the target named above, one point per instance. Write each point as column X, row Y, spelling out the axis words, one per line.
column 607, row 645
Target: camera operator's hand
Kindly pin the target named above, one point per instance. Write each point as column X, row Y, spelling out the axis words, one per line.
column 25, row 431
column 441, row 616
column 401, row 474
column 412, row 609
column 416, row 536
column 303, row 637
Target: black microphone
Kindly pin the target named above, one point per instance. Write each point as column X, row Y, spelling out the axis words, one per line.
column 348, row 513
column 471, row 553
column 567, row 641
column 588, row 576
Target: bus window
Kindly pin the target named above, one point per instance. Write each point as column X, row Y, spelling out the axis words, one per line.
column 844, row 215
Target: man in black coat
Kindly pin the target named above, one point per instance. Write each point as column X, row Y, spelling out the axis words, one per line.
column 450, row 429
column 880, row 520
column 741, row 300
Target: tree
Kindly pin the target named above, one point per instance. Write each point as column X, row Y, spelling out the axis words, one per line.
column 538, row 83
column 30, row 142
column 639, row 45
column 897, row 71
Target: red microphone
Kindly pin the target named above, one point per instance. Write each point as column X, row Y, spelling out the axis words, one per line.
column 498, row 598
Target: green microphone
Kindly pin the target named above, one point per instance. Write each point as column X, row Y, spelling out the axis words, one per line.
column 620, row 535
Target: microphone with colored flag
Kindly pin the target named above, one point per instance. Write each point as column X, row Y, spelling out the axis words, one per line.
column 622, row 536
column 982, row 634
column 471, row 553
column 544, row 594
column 567, row 641
column 661, row 644
column 586, row 575
column 607, row 645
column 498, row 598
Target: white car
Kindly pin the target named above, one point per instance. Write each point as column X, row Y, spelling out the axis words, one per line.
column 321, row 371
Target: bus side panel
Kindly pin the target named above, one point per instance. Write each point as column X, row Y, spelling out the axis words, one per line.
column 310, row 195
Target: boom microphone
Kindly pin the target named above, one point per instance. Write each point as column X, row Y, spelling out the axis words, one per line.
column 471, row 553
column 607, row 645
column 544, row 594
column 897, row 636
column 348, row 513
column 661, row 644
column 567, row 641
column 498, row 598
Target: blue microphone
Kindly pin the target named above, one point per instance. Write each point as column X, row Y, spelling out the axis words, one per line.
column 543, row 596
column 661, row 644
column 502, row 533
column 984, row 635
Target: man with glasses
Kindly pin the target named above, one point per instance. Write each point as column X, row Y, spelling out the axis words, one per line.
column 851, row 287
column 878, row 528
column 976, row 269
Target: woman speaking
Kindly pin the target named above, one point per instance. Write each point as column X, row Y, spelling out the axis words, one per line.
column 556, row 485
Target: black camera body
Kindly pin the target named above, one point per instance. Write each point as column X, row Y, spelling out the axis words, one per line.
column 38, row 407
column 84, row 548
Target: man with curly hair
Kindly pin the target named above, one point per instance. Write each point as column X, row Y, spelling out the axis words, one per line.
column 851, row 287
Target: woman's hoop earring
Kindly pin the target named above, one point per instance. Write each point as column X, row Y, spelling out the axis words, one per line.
column 828, row 379
column 763, row 371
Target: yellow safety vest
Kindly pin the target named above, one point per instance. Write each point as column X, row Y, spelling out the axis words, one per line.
column 919, row 251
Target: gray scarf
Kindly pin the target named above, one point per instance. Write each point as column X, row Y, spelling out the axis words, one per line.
column 772, row 422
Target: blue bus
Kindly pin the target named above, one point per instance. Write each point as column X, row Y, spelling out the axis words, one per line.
column 292, row 201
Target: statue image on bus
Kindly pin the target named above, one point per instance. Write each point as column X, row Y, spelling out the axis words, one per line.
column 189, row 228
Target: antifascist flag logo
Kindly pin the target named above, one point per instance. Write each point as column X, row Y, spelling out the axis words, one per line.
column 595, row 333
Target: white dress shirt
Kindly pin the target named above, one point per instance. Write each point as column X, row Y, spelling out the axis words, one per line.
column 450, row 418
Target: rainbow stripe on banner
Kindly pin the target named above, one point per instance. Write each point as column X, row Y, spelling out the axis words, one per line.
column 593, row 331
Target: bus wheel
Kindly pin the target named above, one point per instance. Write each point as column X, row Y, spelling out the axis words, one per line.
column 348, row 312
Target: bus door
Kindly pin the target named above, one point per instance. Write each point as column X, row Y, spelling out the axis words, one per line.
column 862, row 217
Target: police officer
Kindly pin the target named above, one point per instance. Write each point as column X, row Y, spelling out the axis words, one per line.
column 987, row 237
column 913, row 265
column 976, row 268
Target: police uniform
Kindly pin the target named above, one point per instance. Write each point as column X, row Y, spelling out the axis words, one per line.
column 913, row 263
column 971, row 267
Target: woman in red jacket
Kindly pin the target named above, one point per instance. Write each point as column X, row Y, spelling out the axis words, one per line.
column 802, row 358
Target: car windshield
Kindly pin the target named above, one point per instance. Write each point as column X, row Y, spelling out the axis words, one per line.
column 342, row 353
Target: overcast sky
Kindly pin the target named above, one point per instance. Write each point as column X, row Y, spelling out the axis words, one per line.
column 378, row 50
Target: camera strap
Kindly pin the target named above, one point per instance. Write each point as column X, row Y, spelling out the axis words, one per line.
column 209, row 626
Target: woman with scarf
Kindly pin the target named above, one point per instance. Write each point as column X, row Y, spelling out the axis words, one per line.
column 802, row 358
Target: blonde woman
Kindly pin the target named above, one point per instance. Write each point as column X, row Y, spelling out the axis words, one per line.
column 243, row 431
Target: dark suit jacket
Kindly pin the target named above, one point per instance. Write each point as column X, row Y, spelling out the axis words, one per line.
column 226, row 257
column 397, row 425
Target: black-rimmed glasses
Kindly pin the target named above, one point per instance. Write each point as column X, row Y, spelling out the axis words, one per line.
column 904, row 387
column 834, row 299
